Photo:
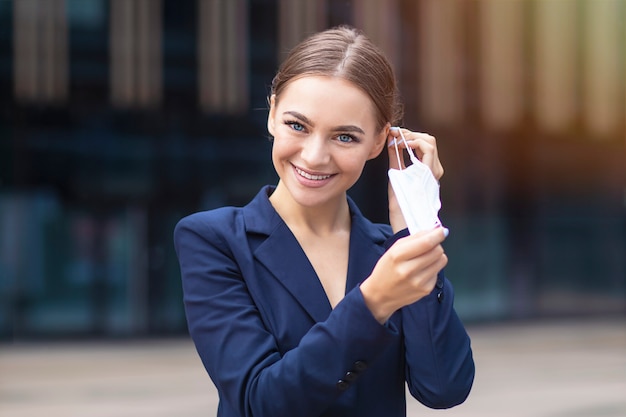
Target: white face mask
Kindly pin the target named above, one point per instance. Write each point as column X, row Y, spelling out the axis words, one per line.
column 417, row 192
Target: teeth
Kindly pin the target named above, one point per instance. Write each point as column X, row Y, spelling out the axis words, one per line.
column 310, row 176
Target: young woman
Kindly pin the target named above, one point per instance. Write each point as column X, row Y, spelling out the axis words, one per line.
column 297, row 304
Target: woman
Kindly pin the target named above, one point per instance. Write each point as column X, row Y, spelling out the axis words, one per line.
column 297, row 304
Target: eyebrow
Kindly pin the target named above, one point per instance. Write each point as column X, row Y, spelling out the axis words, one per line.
column 342, row 128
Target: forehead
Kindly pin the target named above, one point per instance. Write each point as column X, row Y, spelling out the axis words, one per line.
column 331, row 100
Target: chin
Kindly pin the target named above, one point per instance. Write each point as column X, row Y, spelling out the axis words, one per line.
column 312, row 197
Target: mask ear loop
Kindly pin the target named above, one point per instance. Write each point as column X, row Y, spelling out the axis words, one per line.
column 412, row 156
column 408, row 149
column 395, row 143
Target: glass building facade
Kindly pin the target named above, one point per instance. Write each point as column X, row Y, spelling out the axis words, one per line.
column 119, row 117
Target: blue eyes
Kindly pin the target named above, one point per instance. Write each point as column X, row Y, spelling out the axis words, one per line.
column 296, row 126
column 345, row 138
column 342, row 137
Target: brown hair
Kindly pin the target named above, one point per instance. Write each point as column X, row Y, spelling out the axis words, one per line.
column 347, row 53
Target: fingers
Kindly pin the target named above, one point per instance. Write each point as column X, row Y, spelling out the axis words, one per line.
column 418, row 244
column 422, row 269
column 417, row 259
column 421, row 142
column 406, row 273
column 423, row 145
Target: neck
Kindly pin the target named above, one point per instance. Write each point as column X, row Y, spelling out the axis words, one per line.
column 321, row 219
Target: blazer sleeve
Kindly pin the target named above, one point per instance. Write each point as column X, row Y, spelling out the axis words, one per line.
column 439, row 363
column 238, row 351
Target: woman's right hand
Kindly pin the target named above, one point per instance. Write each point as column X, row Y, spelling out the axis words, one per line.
column 405, row 273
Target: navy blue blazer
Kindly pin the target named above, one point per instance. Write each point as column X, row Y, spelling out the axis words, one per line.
column 272, row 344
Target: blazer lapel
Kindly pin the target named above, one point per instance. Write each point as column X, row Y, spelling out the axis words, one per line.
column 283, row 256
column 366, row 247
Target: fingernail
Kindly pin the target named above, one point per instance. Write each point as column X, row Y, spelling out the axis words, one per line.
column 392, row 142
column 446, row 232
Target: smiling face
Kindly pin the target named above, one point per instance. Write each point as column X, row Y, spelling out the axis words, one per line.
column 324, row 131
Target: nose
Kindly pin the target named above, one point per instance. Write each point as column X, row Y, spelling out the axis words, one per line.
column 315, row 151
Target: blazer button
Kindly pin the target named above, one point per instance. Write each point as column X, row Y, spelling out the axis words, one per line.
column 350, row 376
column 360, row 366
column 342, row 385
column 440, row 296
column 440, row 283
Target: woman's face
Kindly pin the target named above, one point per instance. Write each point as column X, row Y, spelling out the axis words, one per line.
column 324, row 131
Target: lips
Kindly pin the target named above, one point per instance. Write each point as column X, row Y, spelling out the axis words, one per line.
column 312, row 177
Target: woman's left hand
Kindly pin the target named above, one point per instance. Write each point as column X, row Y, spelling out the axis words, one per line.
column 425, row 148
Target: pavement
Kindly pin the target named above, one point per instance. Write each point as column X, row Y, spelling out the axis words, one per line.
column 538, row 369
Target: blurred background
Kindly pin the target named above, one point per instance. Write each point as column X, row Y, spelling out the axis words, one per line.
column 119, row 117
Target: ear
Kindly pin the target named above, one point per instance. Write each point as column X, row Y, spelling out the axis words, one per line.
column 272, row 113
column 380, row 141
